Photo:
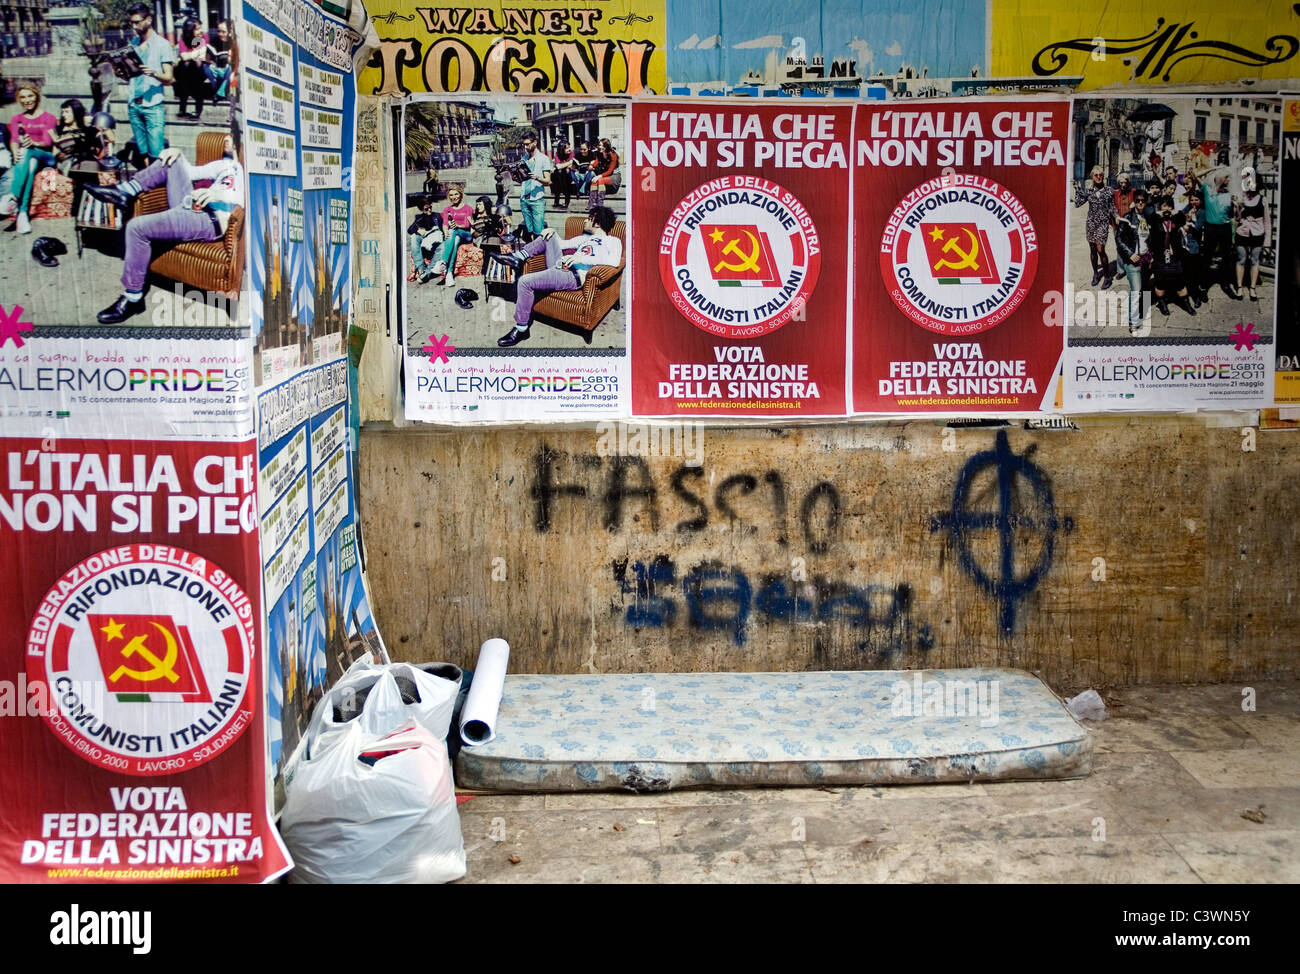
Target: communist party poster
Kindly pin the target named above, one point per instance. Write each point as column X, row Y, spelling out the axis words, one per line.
column 959, row 243
column 135, row 748
column 741, row 217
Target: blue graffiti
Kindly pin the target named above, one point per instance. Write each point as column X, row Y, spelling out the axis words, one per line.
column 1012, row 516
column 723, row 598
column 710, row 589
column 650, row 609
column 777, row 601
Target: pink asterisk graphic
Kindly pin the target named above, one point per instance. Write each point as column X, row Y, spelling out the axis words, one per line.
column 439, row 349
column 1244, row 336
column 12, row 328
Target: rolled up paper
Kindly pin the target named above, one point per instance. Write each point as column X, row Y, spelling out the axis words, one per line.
column 478, row 719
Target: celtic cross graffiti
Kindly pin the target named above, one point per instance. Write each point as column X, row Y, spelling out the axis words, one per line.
column 1024, row 511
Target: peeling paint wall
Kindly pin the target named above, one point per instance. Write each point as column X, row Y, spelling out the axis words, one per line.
column 1129, row 551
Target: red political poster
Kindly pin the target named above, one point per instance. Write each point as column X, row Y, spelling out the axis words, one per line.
column 740, row 258
column 134, row 744
column 959, row 244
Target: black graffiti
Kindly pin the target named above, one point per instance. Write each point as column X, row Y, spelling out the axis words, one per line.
column 773, row 480
column 545, row 490
column 619, row 491
column 745, row 484
column 1012, row 519
column 1165, row 48
column 831, row 521
column 701, row 520
column 630, row 489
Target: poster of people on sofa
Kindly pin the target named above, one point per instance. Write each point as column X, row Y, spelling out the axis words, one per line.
column 515, row 230
column 1171, row 259
column 122, row 224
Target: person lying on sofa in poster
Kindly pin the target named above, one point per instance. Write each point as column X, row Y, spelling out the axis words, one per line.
column 567, row 263
column 200, row 200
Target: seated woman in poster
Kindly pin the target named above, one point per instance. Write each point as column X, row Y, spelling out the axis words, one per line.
column 608, row 176
column 75, row 139
column 583, row 160
column 217, row 67
column 456, row 231
column 485, row 223
column 562, row 175
column 193, row 56
column 31, row 139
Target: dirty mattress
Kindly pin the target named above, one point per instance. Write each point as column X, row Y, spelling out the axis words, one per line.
column 660, row 731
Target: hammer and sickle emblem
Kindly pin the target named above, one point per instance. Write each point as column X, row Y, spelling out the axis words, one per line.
column 161, row 667
column 968, row 257
column 747, row 263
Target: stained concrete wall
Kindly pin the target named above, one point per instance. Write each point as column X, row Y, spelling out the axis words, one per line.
column 1129, row 551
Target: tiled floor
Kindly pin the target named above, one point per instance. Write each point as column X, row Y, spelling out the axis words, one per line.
column 1186, row 788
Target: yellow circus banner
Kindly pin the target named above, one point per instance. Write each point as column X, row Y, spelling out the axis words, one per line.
column 1146, row 42
column 593, row 47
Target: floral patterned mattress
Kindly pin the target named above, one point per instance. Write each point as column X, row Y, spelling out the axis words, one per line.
column 658, row 731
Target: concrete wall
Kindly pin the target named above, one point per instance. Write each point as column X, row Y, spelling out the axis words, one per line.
column 1129, row 551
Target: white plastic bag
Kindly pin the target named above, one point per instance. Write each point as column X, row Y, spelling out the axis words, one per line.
column 393, row 821
column 1087, row 706
column 383, row 708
